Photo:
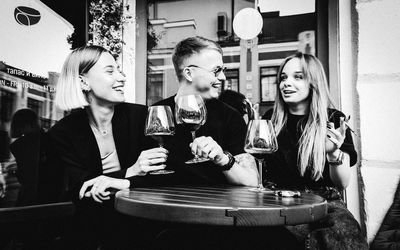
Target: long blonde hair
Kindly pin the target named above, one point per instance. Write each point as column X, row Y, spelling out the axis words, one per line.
column 311, row 153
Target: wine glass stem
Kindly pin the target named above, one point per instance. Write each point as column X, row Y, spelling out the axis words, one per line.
column 193, row 134
column 260, row 173
column 193, row 138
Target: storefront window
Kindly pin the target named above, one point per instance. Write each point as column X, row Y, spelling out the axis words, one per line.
column 6, row 107
column 37, row 42
column 268, row 83
column 232, row 80
column 155, row 88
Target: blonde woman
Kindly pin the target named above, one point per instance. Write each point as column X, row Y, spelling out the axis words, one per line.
column 316, row 149
column 101, row 145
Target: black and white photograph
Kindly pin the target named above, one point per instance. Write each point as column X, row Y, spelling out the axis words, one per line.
column 199, row 124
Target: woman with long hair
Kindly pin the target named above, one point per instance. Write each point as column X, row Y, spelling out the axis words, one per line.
column 316, row 149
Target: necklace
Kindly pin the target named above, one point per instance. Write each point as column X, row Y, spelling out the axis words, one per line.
column 103, row 132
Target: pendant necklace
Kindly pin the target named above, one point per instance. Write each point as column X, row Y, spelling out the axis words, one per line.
column 103, row 132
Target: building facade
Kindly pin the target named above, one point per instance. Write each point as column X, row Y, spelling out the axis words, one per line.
column 251, row 65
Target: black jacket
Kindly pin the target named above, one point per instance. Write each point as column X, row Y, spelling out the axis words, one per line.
column 74, row 149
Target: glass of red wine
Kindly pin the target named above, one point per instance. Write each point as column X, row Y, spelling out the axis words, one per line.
column 191, row 112
column 260, row 140
column 159, row 126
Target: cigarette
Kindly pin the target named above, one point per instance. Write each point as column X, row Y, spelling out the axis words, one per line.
column 345, row 122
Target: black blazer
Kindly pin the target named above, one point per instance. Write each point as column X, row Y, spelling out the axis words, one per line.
column 75, row 152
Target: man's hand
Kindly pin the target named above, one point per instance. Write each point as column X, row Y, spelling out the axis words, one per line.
column 206, row 147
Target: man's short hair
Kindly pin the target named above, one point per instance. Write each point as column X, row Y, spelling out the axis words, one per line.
column 188, row 47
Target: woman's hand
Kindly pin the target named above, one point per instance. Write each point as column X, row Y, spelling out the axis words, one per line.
column 149, row 160
column 335, row 137
column 340, row 174
column 99, row 185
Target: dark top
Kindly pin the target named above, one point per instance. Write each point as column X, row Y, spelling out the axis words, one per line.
column 282, row 166
column 223, row 124
column 34, row 173
column 75, row 151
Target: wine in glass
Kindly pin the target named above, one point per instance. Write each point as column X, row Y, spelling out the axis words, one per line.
column 191, row 112
column 159, row 126
column 260, row 140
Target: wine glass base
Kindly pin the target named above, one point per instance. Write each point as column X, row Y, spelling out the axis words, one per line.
column 163, row 171
column 197, row 160
column 260, row 190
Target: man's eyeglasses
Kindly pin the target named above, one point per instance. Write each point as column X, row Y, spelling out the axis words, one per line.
column 218, row 70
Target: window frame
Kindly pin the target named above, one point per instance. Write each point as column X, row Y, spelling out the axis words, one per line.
column 267, row 103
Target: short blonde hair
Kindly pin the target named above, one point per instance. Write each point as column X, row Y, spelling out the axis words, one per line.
column 69, row 93
column 189, row 47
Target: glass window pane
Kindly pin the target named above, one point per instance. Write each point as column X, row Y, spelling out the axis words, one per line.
column 232, row 80
column 269, row 71
column 31, row 56
column 287, row 7
column 268, row 83
column 154, row 88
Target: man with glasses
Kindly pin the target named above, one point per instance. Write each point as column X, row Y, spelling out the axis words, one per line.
column 200, row 70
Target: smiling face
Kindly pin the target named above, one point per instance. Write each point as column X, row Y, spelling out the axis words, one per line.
column 105, row 81
column 294, row 89
column 203, row 78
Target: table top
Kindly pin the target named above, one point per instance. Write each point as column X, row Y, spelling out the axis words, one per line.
column 219, row 205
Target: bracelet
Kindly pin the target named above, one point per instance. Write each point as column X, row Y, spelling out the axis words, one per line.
column 338, row 161
column 230, row 163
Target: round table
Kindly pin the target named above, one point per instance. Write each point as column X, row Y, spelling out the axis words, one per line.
column 219, row 205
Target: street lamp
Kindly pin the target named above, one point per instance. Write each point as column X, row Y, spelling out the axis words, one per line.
column 247, row 24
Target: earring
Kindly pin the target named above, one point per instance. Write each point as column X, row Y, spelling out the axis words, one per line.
column 84, row 86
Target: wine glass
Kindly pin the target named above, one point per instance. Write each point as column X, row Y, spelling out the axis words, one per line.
column 260, row 140
column 191, row 112
column 160, row 125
